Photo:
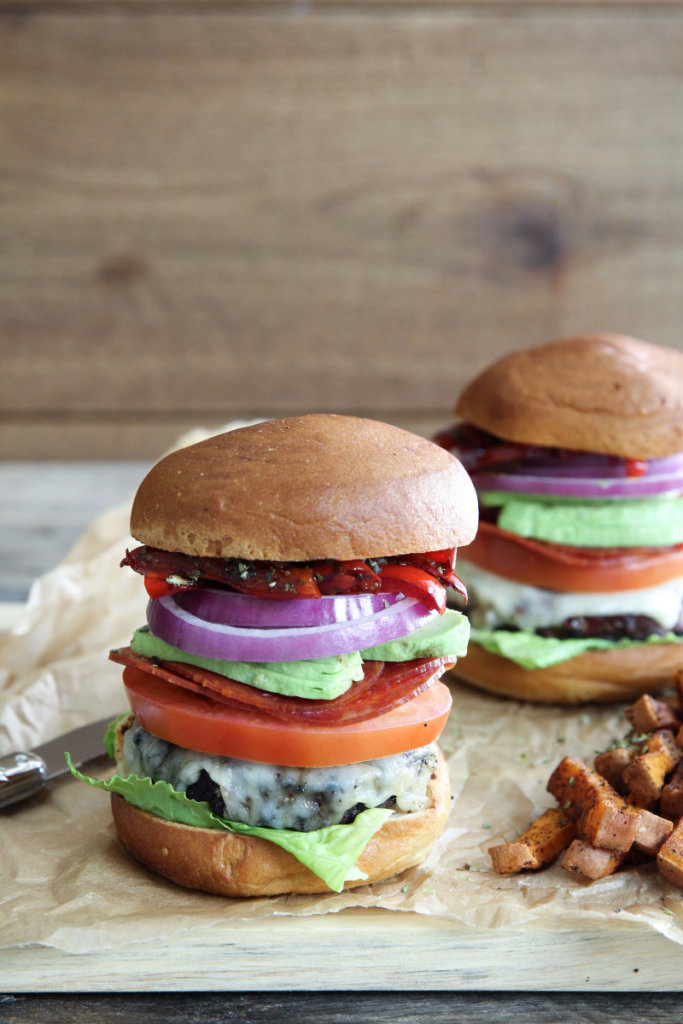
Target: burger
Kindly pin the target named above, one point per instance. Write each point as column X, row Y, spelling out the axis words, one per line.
column 575, row 578
column 285, row 690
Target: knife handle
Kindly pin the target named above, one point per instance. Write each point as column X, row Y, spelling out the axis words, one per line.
column 21, row 775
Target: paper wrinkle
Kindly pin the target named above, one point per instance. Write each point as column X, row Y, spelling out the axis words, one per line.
column 66, row 883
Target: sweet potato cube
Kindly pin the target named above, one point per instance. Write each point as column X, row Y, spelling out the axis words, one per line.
column 679, row 737
column 678, row 685
column 543, row 841
column 648, row 714
column 576, row 786
column 652, row 831
column 609, row 825
column 591, row 862
column 663, row 740
column 646, row 775
column 601, row 815
column 511, row 858
column 671, row 800
column 670, row 856
column 611, row 765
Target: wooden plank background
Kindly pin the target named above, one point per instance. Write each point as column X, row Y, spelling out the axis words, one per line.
column 219, row 210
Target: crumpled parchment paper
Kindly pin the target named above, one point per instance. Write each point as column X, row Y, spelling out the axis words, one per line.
column 67, row 884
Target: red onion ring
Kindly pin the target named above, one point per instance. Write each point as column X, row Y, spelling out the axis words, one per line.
column 587, row 487
column 580, row 465
column 229, row 608
column 187, row 632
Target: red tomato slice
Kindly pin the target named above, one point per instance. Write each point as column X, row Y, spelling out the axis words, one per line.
column 199, row 723
column 575, row 570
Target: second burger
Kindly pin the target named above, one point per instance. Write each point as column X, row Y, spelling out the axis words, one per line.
column 575, row 577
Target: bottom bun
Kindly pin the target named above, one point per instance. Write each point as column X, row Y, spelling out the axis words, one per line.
column 235, row 865
column 612, row 675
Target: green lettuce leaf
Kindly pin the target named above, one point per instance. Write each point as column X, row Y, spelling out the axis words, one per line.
column 532, row 651
column 330, row 853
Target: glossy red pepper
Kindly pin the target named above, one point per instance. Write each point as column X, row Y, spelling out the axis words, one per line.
column 157, row 587
column 636, row 467
column 350, row 577
column 414, row 582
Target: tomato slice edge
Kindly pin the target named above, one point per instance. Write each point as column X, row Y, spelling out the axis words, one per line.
column 199, row 724
column 552, row 567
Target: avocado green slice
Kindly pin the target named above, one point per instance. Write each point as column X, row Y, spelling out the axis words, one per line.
column 608, row 523
column 316, row 679
column 441, row 636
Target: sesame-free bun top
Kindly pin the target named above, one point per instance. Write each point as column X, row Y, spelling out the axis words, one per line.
column 598, row 392
column 307, row 487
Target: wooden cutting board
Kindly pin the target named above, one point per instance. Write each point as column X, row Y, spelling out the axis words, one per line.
column 360, row 950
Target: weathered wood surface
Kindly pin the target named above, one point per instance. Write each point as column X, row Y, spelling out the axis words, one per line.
column 226, row 209
column 46, row 506
column 340, row 1008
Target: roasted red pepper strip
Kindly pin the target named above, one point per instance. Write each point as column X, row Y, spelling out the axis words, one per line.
column 167, row 572
column 384, row 686
column 414, row 582
column 264, row 579
column 441, row 565
column 345, row 577
column 157, row 587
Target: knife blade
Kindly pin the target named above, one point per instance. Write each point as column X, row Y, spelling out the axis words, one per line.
column 24, row 773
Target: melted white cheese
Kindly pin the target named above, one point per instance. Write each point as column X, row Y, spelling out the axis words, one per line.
column 275, row 796
column 495, row 601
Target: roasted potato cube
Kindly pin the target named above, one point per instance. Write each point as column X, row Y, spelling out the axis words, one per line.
column 591, row 862
column 663, row 740
column 542, row 842
column 671, row 800
column 652, row 831
column 609, row 825
column 648, row 714
column 670, row 856
column 511, row 858
column 678, row 685
column 611, row 765
column 601, row 815
column 646, row 775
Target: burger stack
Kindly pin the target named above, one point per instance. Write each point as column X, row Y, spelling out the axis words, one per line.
column 575, row 578
column 285, row 689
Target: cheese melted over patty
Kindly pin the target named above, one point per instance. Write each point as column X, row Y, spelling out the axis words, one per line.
column 276, row 796
column 495, row 602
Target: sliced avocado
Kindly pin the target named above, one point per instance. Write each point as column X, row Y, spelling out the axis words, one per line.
column 315, row 679
column 609, row 523
column 442, row 636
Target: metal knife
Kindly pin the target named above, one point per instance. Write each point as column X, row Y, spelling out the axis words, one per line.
column 23, row 774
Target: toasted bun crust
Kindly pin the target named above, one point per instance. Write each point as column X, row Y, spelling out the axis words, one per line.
column 602, row 676
column 599, row 393
column 235, row 865
column 307, row 487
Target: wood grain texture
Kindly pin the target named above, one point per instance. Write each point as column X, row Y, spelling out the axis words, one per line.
column 370, row 950
column 340, row 1008
column 216, row 211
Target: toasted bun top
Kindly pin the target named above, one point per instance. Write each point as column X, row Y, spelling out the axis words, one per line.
column 307, row 487
column 599, row 393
